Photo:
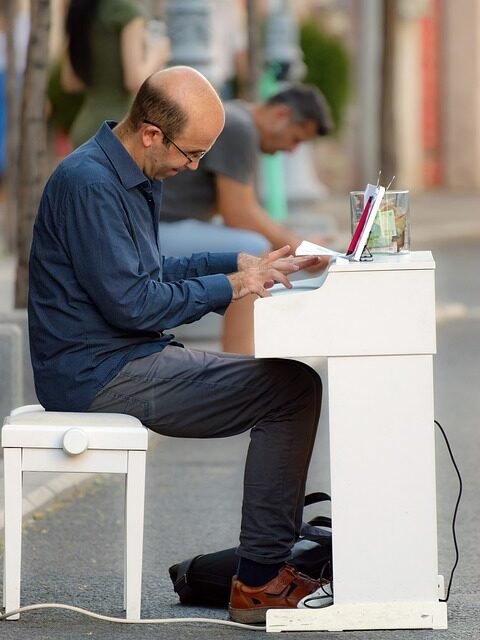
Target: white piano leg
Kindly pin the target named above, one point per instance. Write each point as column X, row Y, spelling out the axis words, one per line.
column 382, row 462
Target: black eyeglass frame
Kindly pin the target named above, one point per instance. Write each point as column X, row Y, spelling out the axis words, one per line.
column 198, row 156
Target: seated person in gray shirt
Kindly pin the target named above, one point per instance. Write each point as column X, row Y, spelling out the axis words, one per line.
column 224, row 184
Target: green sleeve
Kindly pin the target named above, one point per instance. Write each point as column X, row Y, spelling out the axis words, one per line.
column 119, row 12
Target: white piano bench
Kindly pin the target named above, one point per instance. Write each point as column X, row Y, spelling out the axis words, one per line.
column 38, row 440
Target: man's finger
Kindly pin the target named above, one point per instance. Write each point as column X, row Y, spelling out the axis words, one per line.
column 279, row 277
column 263, row 293
column 303, row 261
column 278, row 253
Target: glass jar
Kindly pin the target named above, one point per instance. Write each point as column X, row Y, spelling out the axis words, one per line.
column 391, row 229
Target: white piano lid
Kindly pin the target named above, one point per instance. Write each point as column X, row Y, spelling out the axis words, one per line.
column 305, row 281
column 388, row 262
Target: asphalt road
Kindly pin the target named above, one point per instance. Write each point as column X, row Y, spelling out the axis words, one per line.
column 73, row 549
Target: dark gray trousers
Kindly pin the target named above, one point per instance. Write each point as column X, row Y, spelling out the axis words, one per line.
column 194, row 394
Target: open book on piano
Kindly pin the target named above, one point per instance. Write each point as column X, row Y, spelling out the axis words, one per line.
column 373, row 198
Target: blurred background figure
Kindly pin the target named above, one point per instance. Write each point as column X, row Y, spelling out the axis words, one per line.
column 225, row 184
column 229, row 48
column 21, row 30
column 110, row 52
column 3, row 102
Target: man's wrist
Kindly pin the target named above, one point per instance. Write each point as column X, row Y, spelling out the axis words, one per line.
column 235, row 283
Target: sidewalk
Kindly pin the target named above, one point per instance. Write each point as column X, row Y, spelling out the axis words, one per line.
column 436, row 218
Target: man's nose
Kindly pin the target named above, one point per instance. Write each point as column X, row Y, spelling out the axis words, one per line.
column 193, row 164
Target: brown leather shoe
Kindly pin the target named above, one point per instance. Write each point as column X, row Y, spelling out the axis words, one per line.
column 250, row 604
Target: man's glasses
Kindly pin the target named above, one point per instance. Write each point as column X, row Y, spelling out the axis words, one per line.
column 191, row 157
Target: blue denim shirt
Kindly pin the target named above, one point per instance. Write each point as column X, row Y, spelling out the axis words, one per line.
column 100, row 292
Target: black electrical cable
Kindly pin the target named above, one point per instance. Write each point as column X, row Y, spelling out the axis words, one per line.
column 317, row 598
column 455, row 511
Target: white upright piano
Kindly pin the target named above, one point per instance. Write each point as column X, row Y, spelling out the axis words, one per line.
column 375, row 324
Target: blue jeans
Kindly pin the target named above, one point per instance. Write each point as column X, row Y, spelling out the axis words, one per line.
column 185, row 237
column 188, row 393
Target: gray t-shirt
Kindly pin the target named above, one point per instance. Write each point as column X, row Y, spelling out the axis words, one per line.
column 191, row 194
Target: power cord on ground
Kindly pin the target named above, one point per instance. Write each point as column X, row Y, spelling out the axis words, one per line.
column 455, row 511
column 98, row 616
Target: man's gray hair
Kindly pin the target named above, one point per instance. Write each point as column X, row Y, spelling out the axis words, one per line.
column 306, row 102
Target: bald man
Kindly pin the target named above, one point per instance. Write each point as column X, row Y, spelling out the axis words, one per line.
column 102, row 299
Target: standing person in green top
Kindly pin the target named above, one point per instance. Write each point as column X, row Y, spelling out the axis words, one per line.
column 109, row 56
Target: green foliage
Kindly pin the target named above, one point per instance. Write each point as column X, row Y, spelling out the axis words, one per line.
column 328, row 67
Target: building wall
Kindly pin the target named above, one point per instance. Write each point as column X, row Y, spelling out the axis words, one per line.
column 460, row 93
column 431, row 125
column 408, row 106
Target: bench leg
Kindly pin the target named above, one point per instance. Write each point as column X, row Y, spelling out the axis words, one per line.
column 13, row 529
column 134, row 515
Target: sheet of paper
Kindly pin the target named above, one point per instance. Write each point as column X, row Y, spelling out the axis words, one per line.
column 307, row 248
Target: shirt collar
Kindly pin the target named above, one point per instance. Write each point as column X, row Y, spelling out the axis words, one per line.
column 127, row 169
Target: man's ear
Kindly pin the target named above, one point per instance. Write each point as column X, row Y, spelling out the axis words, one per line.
column 148, row 134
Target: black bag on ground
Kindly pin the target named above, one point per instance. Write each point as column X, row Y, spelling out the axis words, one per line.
column 206, row 579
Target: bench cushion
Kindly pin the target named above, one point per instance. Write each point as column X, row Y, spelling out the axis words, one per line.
column 46, row 429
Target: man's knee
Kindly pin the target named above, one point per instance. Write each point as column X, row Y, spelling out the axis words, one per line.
column 299, row 378
column 314, row 378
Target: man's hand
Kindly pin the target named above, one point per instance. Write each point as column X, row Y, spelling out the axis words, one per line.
column 281, row 259
column 323, row 241
column 257, row 275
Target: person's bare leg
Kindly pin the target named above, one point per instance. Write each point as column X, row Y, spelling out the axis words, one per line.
column 238, row 327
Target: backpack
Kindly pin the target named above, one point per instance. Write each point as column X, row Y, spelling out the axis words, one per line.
column 206, row 579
